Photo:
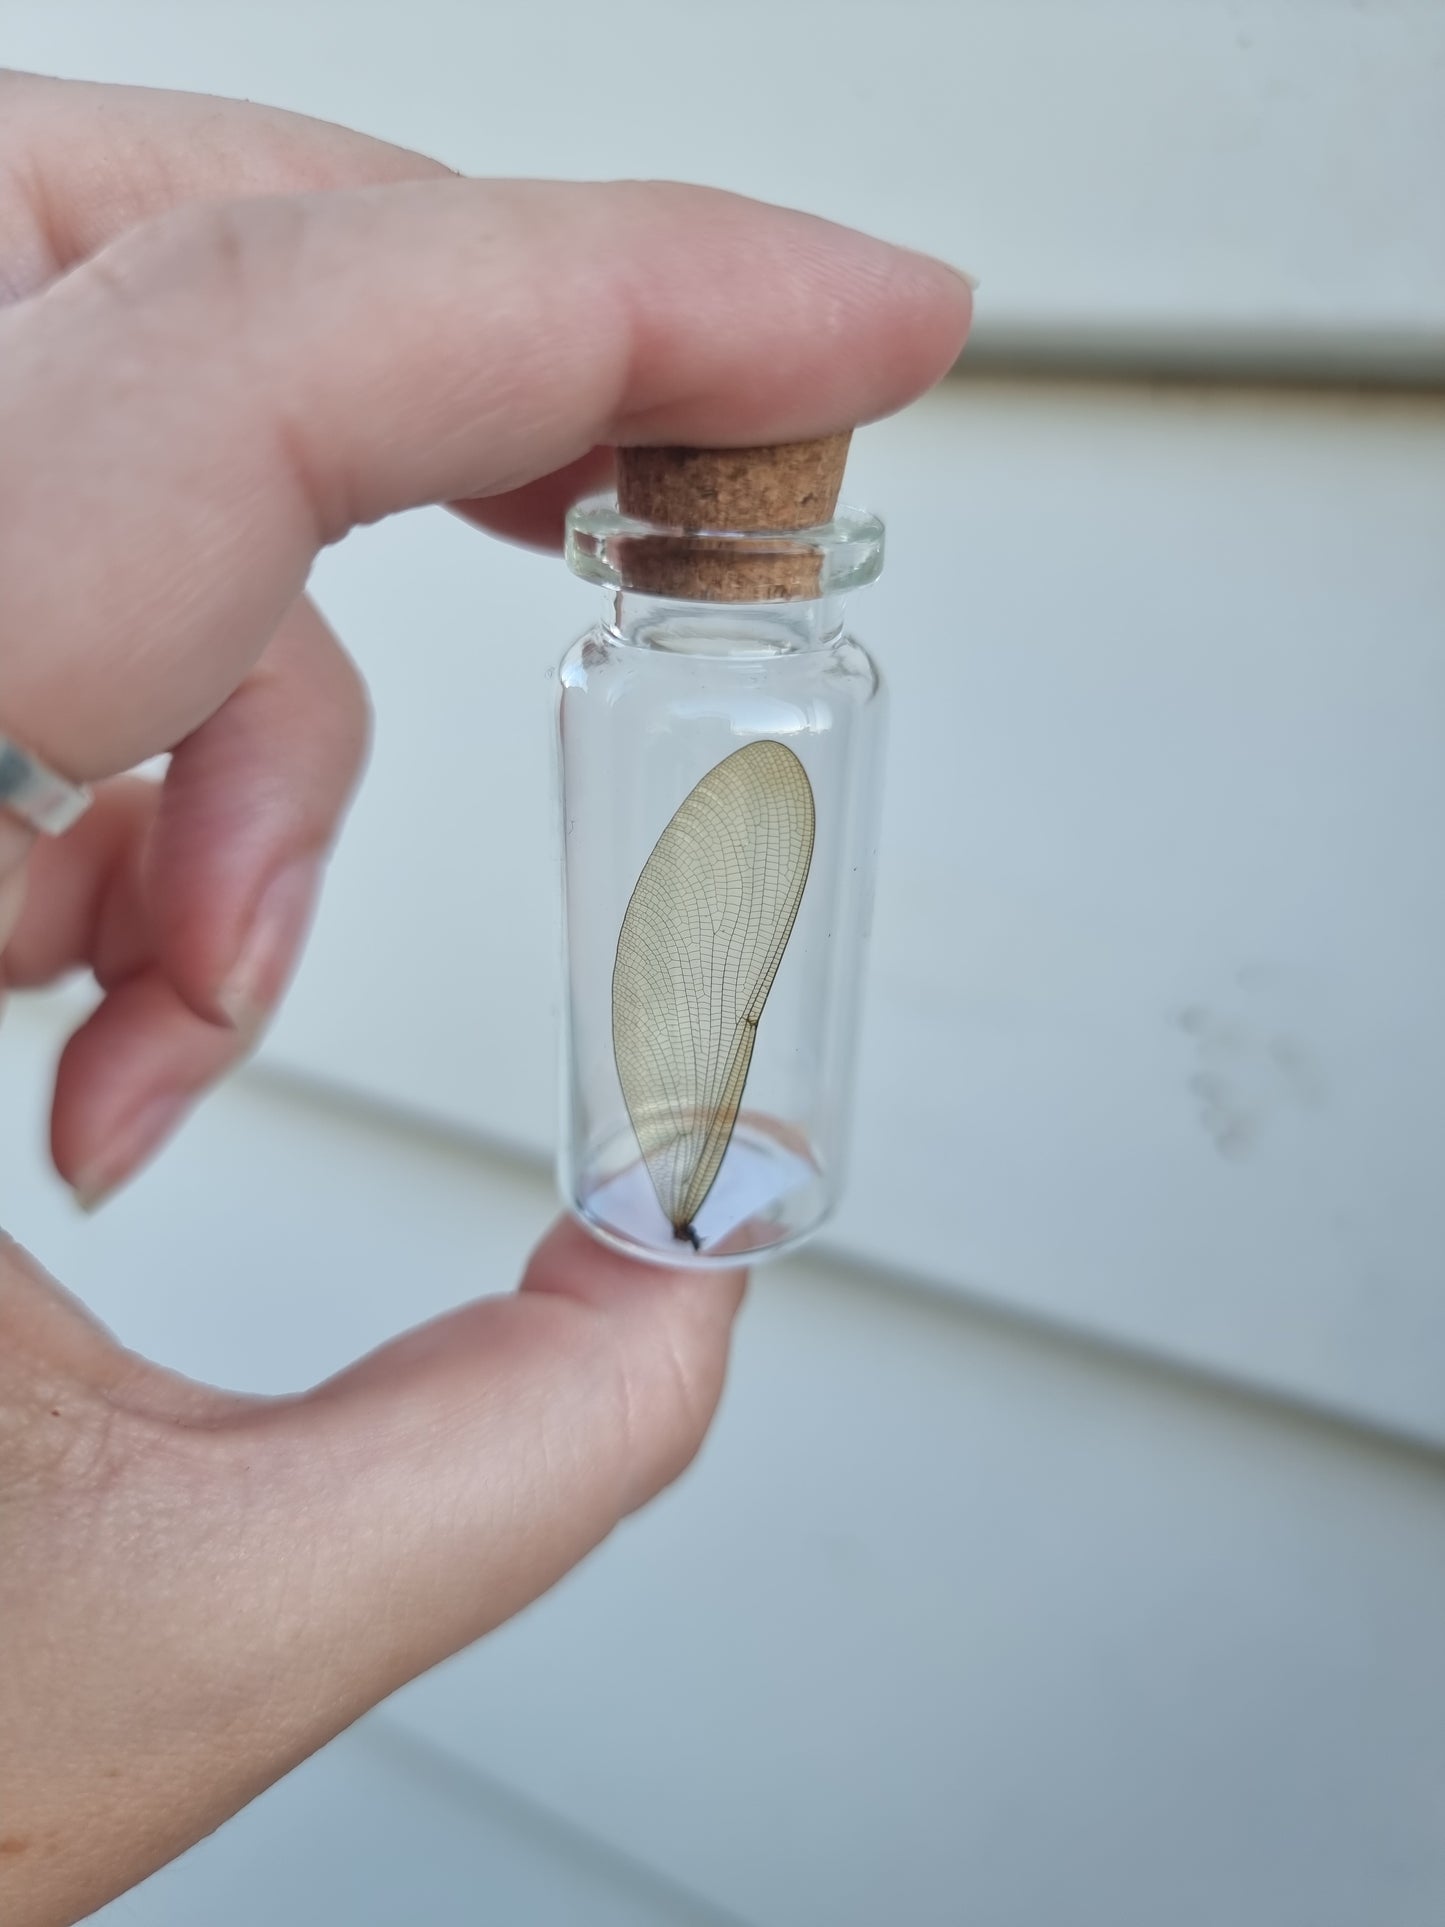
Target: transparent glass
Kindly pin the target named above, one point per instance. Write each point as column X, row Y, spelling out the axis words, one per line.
column 720, row 970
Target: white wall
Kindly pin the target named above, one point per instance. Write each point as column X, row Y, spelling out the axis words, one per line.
column 1070, row 1547
column 956, row 1620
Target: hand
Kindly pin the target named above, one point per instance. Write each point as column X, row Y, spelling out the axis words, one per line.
column 229, row 336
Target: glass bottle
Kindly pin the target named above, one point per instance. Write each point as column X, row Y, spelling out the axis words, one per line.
column 720, row 737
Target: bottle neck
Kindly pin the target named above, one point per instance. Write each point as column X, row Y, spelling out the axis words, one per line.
column 724, row 628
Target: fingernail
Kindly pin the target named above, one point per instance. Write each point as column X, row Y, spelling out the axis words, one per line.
column 131, row 1146
column 277, row 927
column 971, row 280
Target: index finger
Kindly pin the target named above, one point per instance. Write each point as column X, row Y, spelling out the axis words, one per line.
column 191, row 414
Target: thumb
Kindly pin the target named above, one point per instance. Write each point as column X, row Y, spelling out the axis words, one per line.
column 200, row 1590
column 478, row 1458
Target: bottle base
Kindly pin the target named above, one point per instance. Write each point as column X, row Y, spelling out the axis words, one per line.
column 768, row 1197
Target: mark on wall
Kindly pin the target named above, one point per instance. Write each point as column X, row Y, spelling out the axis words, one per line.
column 1244, row 1077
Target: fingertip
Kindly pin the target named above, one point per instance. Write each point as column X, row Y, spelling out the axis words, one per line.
column 275, row 934
column 251, row 806
column 572, row 1263
column 126, row 1079
column 535, row 515
column 668, row 1331
column 946, row 303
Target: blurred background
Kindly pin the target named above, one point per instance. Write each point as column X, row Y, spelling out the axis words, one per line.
column 1071, row 1546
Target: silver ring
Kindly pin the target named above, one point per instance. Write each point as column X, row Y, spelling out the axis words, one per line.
column 36, row 794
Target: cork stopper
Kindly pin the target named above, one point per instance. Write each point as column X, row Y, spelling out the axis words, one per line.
column 768, row 492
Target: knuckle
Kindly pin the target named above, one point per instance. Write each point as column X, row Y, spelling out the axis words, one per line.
column 201, row 261
column 57, row 1438
column 217, row 278
column 79, row 1417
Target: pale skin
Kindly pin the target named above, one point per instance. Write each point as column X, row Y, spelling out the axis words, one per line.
column 227, row 336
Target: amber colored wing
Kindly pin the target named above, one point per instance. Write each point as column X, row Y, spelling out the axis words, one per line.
column 700, row 946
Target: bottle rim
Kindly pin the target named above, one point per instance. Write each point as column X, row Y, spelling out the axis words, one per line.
column 622, row 552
